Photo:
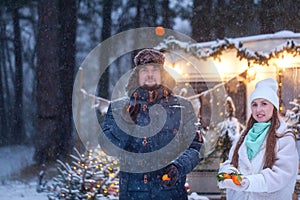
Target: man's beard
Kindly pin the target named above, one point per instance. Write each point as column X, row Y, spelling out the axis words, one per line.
column 151, row 79
column 150, row 88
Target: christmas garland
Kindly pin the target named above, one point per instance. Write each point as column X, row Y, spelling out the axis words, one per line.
column 215, row 51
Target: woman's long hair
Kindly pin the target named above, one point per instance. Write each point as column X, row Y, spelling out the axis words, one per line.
column 270, row 154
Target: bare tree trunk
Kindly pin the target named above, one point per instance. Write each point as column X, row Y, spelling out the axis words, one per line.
column 105, row 34
column 8, row 94
column 219, row 20
column 68, row 21
column 55, row 76
column 150, row 14
column 201, row 20
column 103, row 86
column 3, row 116
column 166, row 14
column 3, row 129
column 47, row 75
column 267, row 16
column 138, row 16
column 18, row 125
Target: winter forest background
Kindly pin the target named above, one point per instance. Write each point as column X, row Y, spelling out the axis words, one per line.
column 44, row 42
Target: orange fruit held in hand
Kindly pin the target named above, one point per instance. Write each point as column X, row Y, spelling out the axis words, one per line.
column 222, row 176
column 236, row 179
column 226, row 176
column 165, row 177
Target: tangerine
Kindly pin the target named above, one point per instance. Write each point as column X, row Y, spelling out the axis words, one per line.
column 165, row 177
column 226, row 176
column 236, row 179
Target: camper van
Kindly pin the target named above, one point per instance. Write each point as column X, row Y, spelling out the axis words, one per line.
column 218, row 77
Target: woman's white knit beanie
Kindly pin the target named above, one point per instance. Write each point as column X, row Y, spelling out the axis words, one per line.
column 266, row 89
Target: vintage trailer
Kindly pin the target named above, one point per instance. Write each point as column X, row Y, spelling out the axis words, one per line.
column 209, row 73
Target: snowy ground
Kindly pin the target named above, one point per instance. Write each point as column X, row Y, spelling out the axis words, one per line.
column 19, row 175
column 15, row 190
column 14, row 185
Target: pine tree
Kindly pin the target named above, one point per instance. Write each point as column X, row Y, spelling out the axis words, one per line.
column 92, row 175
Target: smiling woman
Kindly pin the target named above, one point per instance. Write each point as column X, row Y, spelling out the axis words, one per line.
column 265, row 145
column 262, row 110
column 263, row 100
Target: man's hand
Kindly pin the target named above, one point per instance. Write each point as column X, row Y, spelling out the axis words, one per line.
column 170, row 177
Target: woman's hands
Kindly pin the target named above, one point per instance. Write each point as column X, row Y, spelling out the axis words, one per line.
column 232, row 179
column 229, row 184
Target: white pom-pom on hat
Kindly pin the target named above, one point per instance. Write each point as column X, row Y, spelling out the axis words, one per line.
column 266, row 89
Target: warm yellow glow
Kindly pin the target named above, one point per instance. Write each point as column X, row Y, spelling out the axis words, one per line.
column 281, row 108
column 228, row 65
column 177, row 69
column 285, row 60
column 174, row 70
column 251, row 73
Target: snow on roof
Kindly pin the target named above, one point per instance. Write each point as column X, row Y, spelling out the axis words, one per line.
column 235, row 53
column 283, row 36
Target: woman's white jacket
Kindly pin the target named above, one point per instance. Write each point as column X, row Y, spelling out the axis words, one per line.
column 277, row 183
